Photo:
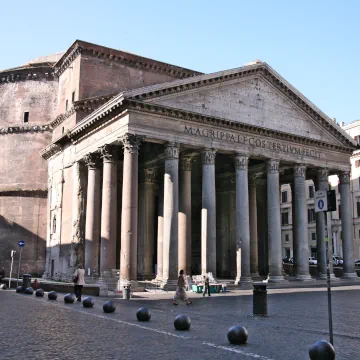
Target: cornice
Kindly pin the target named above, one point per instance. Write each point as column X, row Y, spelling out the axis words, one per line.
column 135, row 61
column 28, row 73
column 62, row 117
column 24, row 129
column 50, row 150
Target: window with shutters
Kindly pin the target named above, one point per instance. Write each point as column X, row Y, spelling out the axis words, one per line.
column 287, row 237
column 285, row 218
column 313, row 236
column 311, row 215
column 311, row 191
column 284, row 196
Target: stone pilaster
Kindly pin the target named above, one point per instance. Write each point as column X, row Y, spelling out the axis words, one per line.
column 185, row 215
column 171, row 208
column 346, row 226
column 108, row 209
column 242, row 219
column 146, row 224
column 208, row 213
column 93, row 216
column 129, row 217
column 300, row 224
column 253, row 229
column 321, row 184
column 274, row 221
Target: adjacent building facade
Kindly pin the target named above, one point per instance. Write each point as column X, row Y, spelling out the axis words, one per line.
column 153, row 168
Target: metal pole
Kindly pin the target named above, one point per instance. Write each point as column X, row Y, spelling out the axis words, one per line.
column 329, row 298
column 11, row 267
column 17, row 281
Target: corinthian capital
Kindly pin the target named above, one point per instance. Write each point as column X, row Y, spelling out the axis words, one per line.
column 273, row 166
column 322, row 175
column 241, row 162
column 300, row 170
column 108, row 153
column 131, row 143
column 150, row 176
column 92, row 160
column 172, row 151
column 185, row 163
column 208, row 157
column 344, row 177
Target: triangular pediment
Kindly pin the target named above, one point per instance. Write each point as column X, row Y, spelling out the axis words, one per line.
column 251, row 98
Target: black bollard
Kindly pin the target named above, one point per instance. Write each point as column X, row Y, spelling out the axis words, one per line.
column 143, row 314
column 39, row 292
column 182, row 322
column 69, row 298
column 322, row 350
column 260, row 299
column 19, row 290
column 88, row 302
column 237, row 335
column 52, row 295
column 29, row 291
column 109, row 307
column 3, row 287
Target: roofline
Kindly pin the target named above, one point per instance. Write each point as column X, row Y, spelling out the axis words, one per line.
column 261, row 68
column 351, row 125
column 130, row 59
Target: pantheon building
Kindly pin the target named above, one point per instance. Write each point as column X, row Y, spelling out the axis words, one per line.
column 153, row 168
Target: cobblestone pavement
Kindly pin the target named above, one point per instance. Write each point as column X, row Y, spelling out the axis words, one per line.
column 37, row 328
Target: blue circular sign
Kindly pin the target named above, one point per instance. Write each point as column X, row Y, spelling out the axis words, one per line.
column 21, row 243
column 321, row 204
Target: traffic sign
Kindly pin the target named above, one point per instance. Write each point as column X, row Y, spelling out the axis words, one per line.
column 321, row 203
column 21, row 243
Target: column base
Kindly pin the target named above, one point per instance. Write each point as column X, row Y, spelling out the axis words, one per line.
column 333, row 277
column 255, row 276
column 323, row 276
column 169, row 284
column 276, row 278
column 350, row 276
column 243, row 280
column 305, row 277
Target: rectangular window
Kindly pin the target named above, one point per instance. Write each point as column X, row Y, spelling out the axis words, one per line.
column 73, row 97
column 339, row 207
column 358, row 206
column 62, row 130
column 357, row 163
column 66, row 105
column 311, row 215
column 284, row 196
column 311, row 192
column 26, row 117
column 359, row 234
column 359, row 182
column 287, row 238
column 313, row 236
column 285, row 218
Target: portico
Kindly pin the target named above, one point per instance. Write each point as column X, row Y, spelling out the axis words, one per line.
column 201, row 158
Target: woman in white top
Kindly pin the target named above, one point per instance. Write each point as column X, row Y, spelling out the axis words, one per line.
column 79, row 281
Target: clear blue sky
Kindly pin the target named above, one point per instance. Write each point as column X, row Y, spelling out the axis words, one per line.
column 313, row 44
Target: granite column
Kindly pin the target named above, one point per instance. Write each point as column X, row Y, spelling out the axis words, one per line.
column 253, row 229
column 208, row 213
column 274, row 221
column 93, row 215
column 129, row 217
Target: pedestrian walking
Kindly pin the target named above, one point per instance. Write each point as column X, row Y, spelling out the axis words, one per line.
column 79, row 281
column 180, row 289
column 206, row 285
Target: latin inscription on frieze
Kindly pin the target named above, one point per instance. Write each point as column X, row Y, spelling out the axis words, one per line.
column 252, row 141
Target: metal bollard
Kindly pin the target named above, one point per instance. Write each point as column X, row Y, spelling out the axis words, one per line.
column 126, row 292
column 26, row 281
column 260, row 299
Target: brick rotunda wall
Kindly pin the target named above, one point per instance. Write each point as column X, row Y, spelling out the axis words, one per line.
column 23, row 174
